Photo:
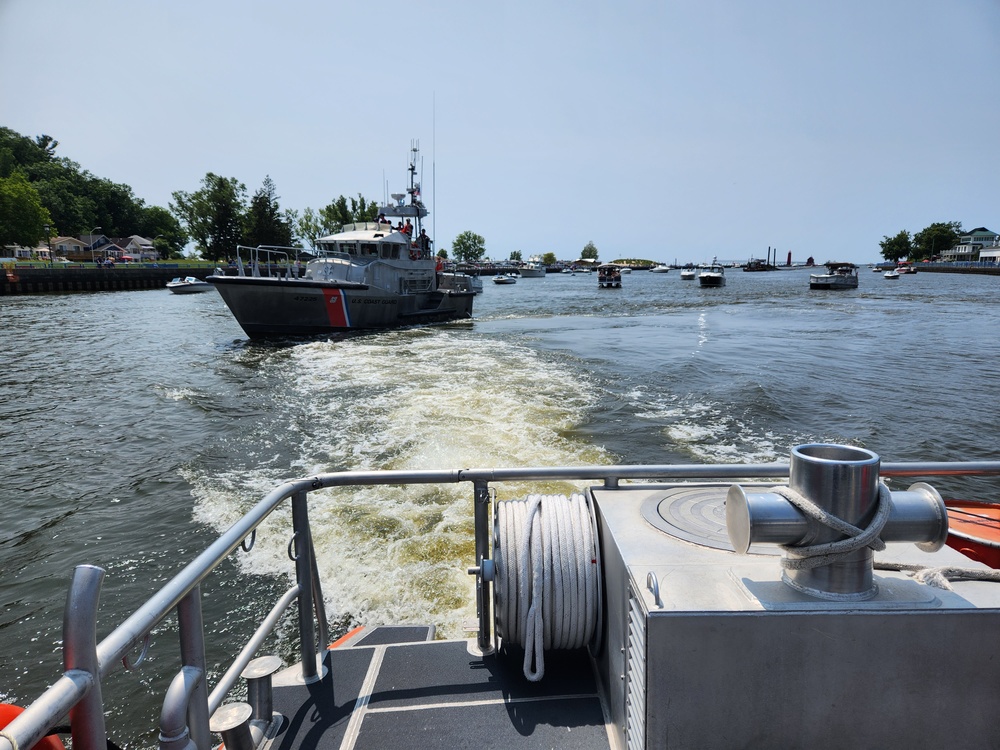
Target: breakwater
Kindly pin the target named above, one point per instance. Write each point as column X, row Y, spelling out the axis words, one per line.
column 45, row 280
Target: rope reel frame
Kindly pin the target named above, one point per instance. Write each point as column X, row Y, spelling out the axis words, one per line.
column 594, row 645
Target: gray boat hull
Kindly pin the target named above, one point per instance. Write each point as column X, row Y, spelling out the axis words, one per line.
column 273, row 307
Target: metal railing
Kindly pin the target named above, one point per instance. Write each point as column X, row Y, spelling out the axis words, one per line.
column 188, row 705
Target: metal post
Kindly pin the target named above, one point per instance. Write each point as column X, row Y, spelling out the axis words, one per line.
column 192, row 634
column 482, row 521
column 303, row 576
column 80, row 653
column 843, row 481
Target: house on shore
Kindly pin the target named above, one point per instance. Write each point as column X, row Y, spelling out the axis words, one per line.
column 977, row 244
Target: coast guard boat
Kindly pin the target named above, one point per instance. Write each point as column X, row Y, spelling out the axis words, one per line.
column 803, row 604
column 368, row 276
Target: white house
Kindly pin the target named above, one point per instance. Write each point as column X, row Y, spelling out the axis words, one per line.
column 971, row 246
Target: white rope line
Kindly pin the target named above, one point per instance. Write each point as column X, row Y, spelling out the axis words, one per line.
column 940, row 577
column 817, row 555
column 10, row 739
column 545, row 583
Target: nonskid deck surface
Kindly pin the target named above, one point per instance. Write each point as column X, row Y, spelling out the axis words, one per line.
column 436, row 694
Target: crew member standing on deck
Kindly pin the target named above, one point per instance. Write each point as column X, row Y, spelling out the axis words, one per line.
column 424, row 243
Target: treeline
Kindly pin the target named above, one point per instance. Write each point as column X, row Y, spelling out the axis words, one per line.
column 929, row 242
column 43, row 195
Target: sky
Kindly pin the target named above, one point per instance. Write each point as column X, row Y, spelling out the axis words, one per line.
column 668, row 130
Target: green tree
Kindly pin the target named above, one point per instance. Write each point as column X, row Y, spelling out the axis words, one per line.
column 936, row 239
column 22, row 215
column 213, row 216
column 162, row 227
column 265, row 224
column 515, row 255
column 308, row 226
column 468, row 246
column 549, row 259
column 589, row 251
column 442, row 253
column 898, row 247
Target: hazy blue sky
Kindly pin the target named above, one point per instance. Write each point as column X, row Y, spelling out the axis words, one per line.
column 654, row 129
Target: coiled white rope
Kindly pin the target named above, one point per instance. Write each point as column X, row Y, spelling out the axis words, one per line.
column 546, row 582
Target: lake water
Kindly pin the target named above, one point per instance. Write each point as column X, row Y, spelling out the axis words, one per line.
column 136, row 425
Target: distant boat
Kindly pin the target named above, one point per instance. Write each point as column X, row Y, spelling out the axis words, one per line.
column 892, row 273
column 837, row 276
column 534, row 269
column 905, row 267
column 609, row 277
column 660, row 268
column 713, row 276
column 505, row 278
column 688, row 274
column 188, row 285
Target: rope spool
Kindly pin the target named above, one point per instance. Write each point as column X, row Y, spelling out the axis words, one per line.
column 547, row 582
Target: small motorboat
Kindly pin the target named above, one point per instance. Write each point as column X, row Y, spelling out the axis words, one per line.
column 505, row 278
column 188, row 285
column 660, row 268
column 687, row 274
column 892, row 273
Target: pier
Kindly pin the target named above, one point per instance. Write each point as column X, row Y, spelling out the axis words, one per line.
column 16, row 280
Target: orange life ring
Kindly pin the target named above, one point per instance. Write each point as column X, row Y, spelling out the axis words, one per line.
column 9, row 712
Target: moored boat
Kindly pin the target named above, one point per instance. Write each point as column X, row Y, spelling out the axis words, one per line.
column 837, row 276
column 660, row 268
column 505, row 278
column 688, row 274
column 368, row 276
column 892, row 273
column 649, row 606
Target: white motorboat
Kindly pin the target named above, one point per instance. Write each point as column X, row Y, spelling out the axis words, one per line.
column 892, row 273
column 837, row 276
column 367, row 276
column 712, row 276
column 688, row 274
column 188, row 285
column 505, row 278
column 660, row 268
column 644, row 606
column 533, row 269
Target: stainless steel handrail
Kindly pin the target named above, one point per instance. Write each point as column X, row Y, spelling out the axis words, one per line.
column 76, row 683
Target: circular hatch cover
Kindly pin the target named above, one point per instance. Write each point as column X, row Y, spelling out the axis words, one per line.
column 695, row 514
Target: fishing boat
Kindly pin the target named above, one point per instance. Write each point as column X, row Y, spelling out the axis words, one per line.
column 837, row 276
column 188, row 285
column 609, row 276
column 367, row 276
column 713, row 275
column 798, row 604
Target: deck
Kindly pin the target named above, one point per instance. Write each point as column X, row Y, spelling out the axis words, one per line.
column 379, row 693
